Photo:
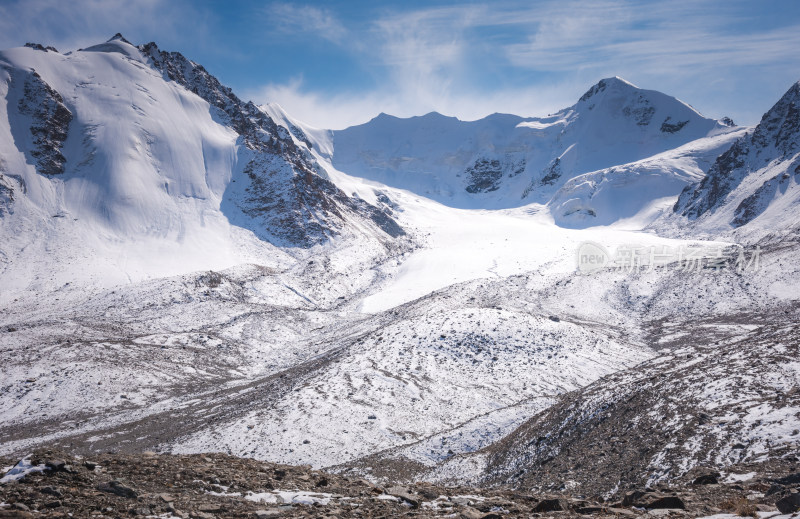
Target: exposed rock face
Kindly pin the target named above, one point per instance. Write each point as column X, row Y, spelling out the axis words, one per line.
column 50, row 120
column 722, row 178
column 751, row 207
column 484, row 176
column 600, row 86
column 553, row 173
column 774, row 141
column 669, row 127
column 780, row 127
column 6, row 195
column 550, row 176
column 39, row 46
column 641, row 112
column 287, row 193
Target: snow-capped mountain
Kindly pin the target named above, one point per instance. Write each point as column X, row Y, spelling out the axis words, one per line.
column 133, row 162
column 636, row 193
column 508, row 161
column 301, row 295
column 139, row 141
column 754, row 184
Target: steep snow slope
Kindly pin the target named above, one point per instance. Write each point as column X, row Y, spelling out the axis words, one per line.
column 751, row 191
column 128, row 162
column 506, row 161
column 637, row 193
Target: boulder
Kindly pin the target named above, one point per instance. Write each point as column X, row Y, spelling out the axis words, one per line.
column 117, row 488
column 55, row 465
column 791, row 479
column 706, row 479
column 404, row 494
column 670, row 502
column 632, row 498
column 551, row 505
column 789, row 504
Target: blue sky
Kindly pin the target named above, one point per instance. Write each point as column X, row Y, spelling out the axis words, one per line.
column 333, row 64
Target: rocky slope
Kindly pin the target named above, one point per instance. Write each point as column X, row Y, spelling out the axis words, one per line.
column 55, row 484
column 755, row 180
column 711, row 406
column 288, row 193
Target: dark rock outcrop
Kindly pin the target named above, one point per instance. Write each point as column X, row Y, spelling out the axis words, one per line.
column 789, row 504
column 484, row 176
column 670, row 127
column 50, row 119
column 775, row 139
column 287, row 197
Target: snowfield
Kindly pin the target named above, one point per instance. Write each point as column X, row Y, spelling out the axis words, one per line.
column 184, row 271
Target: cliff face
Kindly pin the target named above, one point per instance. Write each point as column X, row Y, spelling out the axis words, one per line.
column 759, row 173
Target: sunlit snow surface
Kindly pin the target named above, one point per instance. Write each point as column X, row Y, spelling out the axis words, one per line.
column 115, row 334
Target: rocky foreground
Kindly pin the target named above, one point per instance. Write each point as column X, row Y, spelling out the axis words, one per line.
column 54, row 484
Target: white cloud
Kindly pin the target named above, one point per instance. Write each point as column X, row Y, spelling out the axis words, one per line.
column 339, row 111
column 685, row 40
column 463, row 60
column 438, row 58
column 293, row 19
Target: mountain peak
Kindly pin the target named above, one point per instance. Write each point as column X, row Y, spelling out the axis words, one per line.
column 618, row 81
column 119, row 37
column 614, row 83
column 780, row 126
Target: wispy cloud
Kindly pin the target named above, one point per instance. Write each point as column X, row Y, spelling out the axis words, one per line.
column 305, row 20
column 340, row 110
column 466, row 60
column 654, row 38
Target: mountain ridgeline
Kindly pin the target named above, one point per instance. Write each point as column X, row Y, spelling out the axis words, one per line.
column 105, row 134
column 756, row 178
column 505, row 161
column 113, row 117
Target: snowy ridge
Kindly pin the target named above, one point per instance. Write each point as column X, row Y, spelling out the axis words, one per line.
column 135, row 163
column 751, row 191
column 506, row 161
column 641, row 190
